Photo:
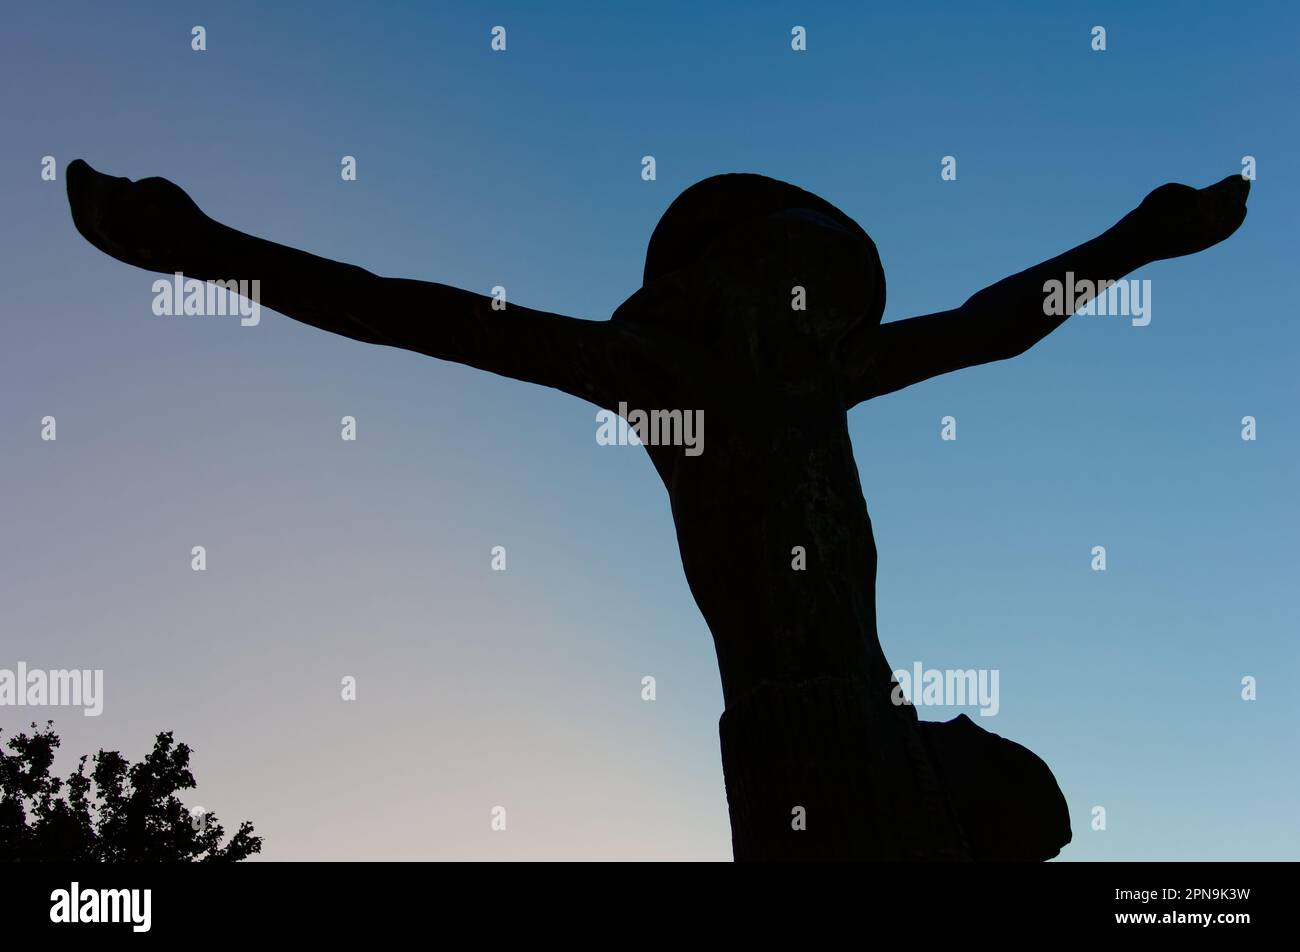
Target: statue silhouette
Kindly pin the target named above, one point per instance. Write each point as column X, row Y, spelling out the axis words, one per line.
column 811, row 736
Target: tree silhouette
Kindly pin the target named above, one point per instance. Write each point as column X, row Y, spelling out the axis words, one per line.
column 119, row 813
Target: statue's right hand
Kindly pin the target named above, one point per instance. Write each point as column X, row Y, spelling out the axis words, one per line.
column 1176, row 220
column 151, row 223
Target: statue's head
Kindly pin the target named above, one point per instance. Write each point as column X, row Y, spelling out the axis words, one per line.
column 719, row 209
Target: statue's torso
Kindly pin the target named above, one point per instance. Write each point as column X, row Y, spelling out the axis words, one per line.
column 774, row 532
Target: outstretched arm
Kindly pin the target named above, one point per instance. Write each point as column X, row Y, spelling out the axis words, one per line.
column 1009, row 317
column 153, row 224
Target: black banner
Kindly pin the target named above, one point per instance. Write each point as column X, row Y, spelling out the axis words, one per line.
column 200, row 902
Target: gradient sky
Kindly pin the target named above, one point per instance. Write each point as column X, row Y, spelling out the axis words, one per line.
column 371, row 559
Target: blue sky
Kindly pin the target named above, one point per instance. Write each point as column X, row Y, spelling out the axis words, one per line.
column 522, row 168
